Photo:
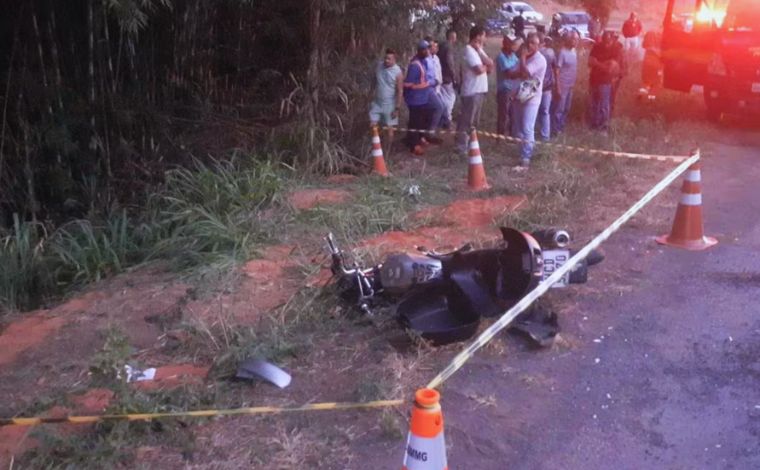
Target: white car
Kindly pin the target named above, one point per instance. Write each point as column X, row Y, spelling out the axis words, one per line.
column 512, row 9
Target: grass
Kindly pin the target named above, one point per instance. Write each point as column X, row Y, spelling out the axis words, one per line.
column 23, row 271
column 208, row 217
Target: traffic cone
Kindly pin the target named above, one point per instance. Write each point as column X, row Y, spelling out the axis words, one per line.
column 425, row 446
column 688, row 229
column 378, row 161
column 476, row 175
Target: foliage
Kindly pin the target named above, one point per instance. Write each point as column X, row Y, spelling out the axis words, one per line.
column 23, row 266
column 599, row 8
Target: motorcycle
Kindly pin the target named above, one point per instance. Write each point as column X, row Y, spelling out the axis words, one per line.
column 443, row 296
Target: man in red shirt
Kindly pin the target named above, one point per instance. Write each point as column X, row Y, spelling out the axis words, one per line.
column 631, row 34
column 605, row 68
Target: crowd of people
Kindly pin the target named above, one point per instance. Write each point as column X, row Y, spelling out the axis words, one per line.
column 536, row 77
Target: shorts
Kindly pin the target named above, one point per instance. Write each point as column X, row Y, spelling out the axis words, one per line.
column 382, row 114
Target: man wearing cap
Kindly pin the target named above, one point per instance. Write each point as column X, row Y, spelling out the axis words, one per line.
column 507, row 81
column 417, row 95
column 476, row 67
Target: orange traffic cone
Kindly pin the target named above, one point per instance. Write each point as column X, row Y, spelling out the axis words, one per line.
column 378, row 161
column 425, row 446
column 688, row 229
column 476, row 175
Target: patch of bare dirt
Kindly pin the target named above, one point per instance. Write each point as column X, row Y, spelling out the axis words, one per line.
column 305, row 199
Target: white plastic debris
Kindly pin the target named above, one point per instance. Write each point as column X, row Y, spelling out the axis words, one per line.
column 137, row 375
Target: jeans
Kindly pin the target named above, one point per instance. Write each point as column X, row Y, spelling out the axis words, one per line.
column 545, row 115
column 561, row 109
column 449, row 97
column 469, row 117
column 601, row 106
column 526, row 114
column 419, row 117
column 505, row 113
column 437, row 110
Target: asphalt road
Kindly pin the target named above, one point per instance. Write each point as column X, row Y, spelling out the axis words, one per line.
column 661, row 369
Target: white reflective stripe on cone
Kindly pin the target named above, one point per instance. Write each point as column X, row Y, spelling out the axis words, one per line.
column 476, row 160
column 375, row 139
column 693, row 176
column 425, row 453
column 474, row 145
column 377, row 152
column 691, row 199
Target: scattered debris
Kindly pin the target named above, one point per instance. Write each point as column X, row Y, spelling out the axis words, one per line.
column 254, row 368
column 137, row 375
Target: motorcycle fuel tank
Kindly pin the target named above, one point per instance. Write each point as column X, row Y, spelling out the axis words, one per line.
column 402, row 271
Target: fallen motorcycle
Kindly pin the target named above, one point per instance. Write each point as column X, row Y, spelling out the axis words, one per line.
column 443, row 296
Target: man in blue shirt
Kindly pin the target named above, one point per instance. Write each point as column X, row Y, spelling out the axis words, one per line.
column 508, row 79
column 416, row 95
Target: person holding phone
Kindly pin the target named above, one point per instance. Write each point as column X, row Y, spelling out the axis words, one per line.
column 532, row 68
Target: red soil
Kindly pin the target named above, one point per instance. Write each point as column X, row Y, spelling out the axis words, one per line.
column 305, row 199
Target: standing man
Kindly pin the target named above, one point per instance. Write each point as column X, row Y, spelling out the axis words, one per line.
column 507, row 81
column 604, row 68
column 631, row 32
column 417, row 94
column 389, row 90
column 518, row 24
column 594, row 28
column 449, row 82
column 544, row 110
column 567, row 75
column 532, row 67
column 476, row 67
column 435, row 102
column 622, row 60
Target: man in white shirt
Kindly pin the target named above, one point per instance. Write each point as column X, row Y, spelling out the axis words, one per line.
column 476, row 67
column 532, row 67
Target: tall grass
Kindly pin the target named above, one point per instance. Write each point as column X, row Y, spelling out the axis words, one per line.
column 23, row 266
column 206, row 215
column 210, row 213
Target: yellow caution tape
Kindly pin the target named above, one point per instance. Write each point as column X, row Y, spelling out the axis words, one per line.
column 199, row 413
column 609, row 153
column 544, row 286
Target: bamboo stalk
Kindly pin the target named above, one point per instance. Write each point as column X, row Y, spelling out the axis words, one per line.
column 54, row 54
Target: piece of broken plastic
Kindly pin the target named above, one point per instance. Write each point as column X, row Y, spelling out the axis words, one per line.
column 137, row 375
column 258, row 368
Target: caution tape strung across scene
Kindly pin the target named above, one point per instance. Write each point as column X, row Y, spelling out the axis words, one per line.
column 456, row 363
column 543, row 287
column 609, row 153
column 259, row 410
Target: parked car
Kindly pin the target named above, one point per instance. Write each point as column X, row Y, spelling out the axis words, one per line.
column 512, row 9
column 574, row 21
column 499, row 24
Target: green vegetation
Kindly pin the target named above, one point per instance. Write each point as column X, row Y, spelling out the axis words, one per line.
column 207, row 216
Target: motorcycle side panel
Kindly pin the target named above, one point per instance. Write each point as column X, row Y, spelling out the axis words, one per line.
column 403, row 271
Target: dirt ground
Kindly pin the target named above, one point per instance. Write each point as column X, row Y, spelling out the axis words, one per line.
column 656, row 366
